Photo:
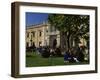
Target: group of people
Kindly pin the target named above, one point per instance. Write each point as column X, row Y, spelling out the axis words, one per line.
column 74, row 55
column 47, row 52
column 70, row 55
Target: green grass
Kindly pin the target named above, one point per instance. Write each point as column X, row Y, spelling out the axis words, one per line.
column 33, row 59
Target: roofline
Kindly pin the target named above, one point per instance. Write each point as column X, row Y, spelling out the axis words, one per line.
column 36, row 26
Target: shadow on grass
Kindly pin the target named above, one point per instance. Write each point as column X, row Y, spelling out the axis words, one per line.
column 36, row 60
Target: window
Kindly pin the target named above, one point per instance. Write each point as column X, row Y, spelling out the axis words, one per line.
column 31, row 37
column 47, row 31
column 40, row 43
column 33, row 33
column 33, row 45
column 40, row 33
column 52, row 29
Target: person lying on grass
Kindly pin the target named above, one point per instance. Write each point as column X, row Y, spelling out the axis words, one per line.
column 69, row 57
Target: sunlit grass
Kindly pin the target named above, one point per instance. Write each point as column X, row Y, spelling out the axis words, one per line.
column 34, row 59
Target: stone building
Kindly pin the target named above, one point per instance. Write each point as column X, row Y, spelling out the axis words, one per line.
column 41, row 35
column 44, row 35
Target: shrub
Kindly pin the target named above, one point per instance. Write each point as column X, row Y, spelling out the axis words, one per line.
column 58, row 52
column 45, row 53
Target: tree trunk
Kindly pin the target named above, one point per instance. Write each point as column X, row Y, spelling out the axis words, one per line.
column 62, row 41
column 68, row 42
column 71, row 42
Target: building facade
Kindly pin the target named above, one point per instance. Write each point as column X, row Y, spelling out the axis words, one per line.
column 41, row 35
column 44, row 35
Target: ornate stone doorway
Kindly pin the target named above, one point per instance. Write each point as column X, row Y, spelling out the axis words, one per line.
column 51, row 40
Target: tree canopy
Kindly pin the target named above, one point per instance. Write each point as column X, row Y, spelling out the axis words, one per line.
column 71, row 26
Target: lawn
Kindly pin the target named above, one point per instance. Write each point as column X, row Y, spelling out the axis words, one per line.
column 33, row 59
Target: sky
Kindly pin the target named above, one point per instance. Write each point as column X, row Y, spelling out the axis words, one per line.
column 35, row 18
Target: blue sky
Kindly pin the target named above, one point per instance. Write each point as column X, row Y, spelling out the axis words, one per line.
column 35, row 18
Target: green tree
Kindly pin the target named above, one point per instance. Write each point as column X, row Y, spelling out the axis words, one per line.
column 71, row 27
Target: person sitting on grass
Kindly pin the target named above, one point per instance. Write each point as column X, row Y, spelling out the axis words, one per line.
column 52, row 52
column 80, row 53
column 67, row 56
column 73, row 55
